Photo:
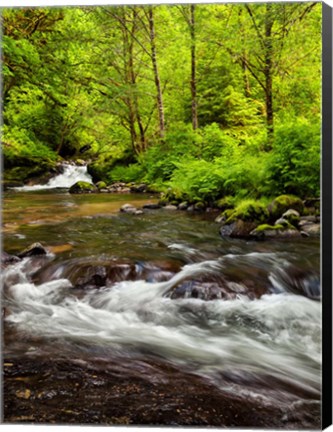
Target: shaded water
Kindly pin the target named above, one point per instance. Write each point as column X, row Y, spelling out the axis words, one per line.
column 135, row 291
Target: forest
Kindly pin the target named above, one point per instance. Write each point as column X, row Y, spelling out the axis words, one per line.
column 118, row 309
column 208, row 101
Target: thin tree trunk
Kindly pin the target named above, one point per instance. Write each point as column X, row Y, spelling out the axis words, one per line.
column 156, row 74
column 268, row 74
column 193, row 69
column 246, row 81
column 133, row 81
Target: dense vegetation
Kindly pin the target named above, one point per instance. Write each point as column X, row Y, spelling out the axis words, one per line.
column 212, row 101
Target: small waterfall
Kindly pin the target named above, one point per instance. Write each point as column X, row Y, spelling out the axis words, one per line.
column 70, row 175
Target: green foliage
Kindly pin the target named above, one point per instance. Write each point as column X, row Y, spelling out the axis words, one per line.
column 294, row 164
column 127, row 174
column 77, row 77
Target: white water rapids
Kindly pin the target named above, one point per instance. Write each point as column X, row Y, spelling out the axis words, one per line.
column 71, row 174
column 278, row 335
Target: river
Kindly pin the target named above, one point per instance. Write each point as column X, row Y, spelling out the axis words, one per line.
column 155, row 319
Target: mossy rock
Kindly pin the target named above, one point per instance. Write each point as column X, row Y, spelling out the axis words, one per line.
column 82, row 187
column 249, row 211
column 101, row 185
column 199, row 206
column 266, row 231
column 292, row 216
column 283, row 203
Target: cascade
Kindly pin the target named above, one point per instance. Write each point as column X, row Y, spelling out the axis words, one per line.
column 70, row 175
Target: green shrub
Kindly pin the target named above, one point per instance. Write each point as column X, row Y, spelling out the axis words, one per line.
column 127, row 174
column 294, row 166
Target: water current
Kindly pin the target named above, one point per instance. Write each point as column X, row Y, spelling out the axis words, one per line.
column 243, row 317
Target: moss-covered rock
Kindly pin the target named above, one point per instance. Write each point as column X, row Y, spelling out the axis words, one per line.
column 283, row 203
column 101, row 185
column 199, row 206
column 249, row 211
column 82, row 187
column 292, row 216
column 274, row 231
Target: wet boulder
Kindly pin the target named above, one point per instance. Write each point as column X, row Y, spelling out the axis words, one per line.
column 237, row 229
column 82, row 187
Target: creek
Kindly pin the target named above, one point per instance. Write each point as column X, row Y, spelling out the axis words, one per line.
column 155, row 319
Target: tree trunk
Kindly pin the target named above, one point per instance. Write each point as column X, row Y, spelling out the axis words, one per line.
column 156, row 74
column 193, row 69
column 268, row 74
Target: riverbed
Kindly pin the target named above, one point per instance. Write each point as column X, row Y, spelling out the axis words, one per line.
column 154, row 319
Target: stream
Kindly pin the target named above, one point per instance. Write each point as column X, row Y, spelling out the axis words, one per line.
column 154, row 319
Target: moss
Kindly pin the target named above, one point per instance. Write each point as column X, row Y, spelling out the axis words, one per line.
column 265, row 227
column 225, row 203
column 249, row 210
column 227, row 213
column 283, row 203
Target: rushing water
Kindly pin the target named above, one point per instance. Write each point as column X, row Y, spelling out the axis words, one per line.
column 70, row 175
column 243, row 316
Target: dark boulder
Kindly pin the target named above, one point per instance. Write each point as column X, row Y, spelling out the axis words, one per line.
column 237, row 229
column 150, row 206
column 141, row 188
column 33, row 250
